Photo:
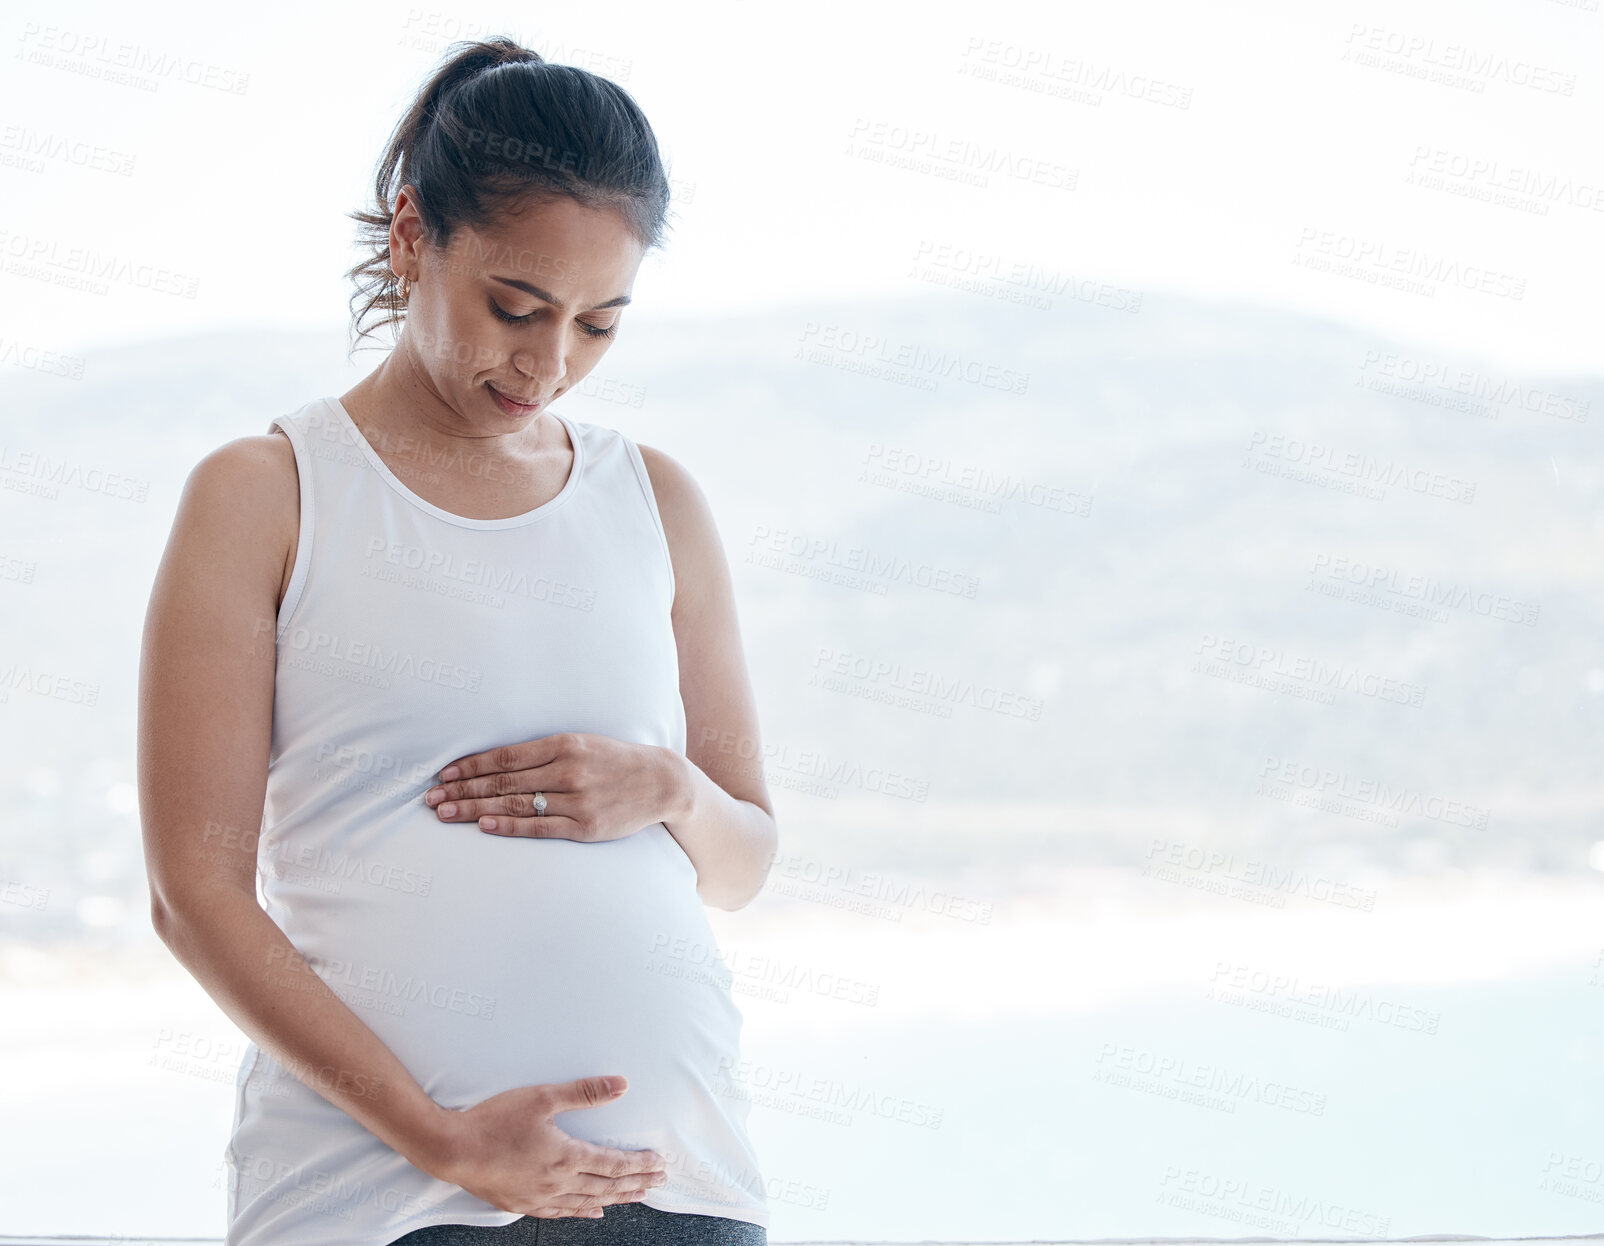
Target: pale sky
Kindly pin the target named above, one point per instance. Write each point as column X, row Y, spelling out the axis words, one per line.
column 1199, row 148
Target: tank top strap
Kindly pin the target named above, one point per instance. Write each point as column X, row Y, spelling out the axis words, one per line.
column 644, row 484
column 335, row 478
column 324, row 445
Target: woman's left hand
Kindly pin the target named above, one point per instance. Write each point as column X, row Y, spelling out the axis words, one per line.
column 596, row 787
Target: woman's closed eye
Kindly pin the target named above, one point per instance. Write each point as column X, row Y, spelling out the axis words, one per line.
column 591, row 329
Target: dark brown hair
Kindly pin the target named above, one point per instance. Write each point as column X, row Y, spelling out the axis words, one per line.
column 498, row 127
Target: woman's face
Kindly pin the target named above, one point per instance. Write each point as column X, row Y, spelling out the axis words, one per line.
column 524, row 310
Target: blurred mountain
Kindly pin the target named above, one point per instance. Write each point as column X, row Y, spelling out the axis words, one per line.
column 1018, row 586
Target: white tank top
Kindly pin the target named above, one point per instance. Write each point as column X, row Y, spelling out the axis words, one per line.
column 410, row 636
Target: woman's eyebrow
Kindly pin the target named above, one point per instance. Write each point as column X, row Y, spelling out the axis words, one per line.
column 620, row 301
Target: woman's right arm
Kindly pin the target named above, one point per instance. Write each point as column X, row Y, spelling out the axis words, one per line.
column 205, row 729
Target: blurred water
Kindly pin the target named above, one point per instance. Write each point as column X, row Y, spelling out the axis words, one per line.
column 1058, row 1072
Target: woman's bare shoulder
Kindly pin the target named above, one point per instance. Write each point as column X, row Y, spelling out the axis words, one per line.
column 671, row 480
column 258, row 470
column 255, row 481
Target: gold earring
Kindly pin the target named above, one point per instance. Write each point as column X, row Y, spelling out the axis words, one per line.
column 406, row 283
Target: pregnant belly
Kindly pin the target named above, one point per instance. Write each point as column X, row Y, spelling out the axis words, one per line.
column 515, row 961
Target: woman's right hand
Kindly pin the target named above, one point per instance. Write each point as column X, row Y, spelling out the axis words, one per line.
column 508, row 1151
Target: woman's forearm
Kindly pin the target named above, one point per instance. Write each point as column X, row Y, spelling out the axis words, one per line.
column 256, row 975
column 731, row 842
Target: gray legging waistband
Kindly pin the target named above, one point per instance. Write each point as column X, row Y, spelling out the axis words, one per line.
column 622, row 1224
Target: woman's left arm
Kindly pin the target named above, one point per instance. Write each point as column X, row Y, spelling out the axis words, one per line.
column 720, row 810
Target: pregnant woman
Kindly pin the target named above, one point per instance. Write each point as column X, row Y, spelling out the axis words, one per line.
column 425, row 660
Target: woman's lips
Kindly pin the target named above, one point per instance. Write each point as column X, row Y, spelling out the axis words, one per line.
column 507, row 400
